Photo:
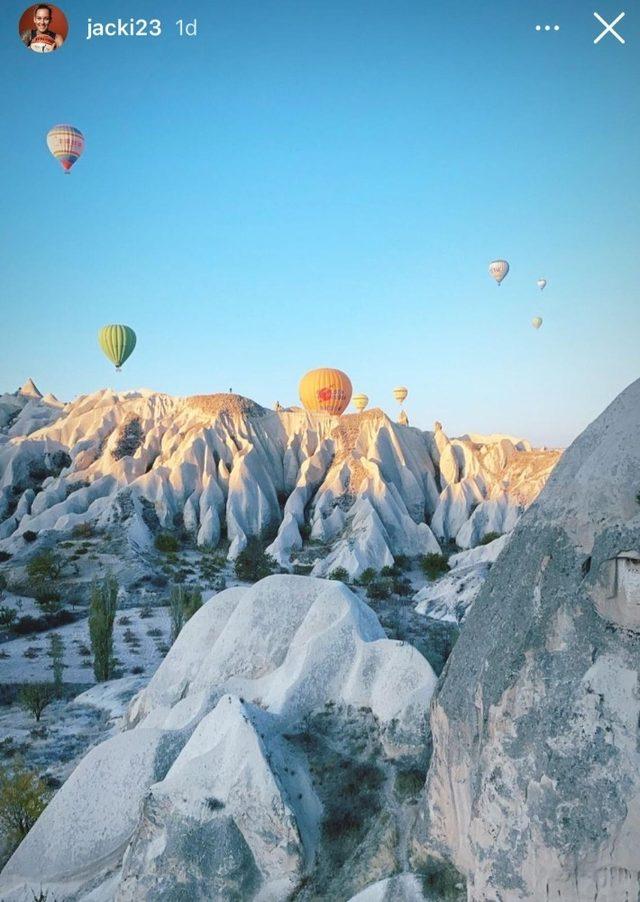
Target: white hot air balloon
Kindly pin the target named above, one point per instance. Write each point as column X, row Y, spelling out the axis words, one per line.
column 400, row 393
column 498, row 270
column 542, row 284
column 536, row 322
column 360, row 401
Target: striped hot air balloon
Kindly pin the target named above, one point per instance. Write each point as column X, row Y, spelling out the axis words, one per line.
column 117, row 342
column 66, row 143
column 325, row 391
column 360, row 402
column 400, row 394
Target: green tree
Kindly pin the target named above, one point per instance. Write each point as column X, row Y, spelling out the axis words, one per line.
column 56, row 653
column 35, row 697
column 23, row 798
column 433, row 565
column 253, row 563
column 183, row 604
column 102, row 612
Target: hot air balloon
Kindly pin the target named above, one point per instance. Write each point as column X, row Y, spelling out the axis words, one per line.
column 325, row 391
column 66, row 143
column 400, row 393
column 542, row 284
column 117, row 342
column 536, row 322
column 498, row 270
column 360, row 402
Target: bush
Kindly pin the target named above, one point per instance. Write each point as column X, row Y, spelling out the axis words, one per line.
column 35, row 697
column 183, row 604
column 302, row 569
column 340, row 574
column 433, row 565
column 7, row 615
column 83, row 531
column 402, row 587
column 102, row 613
column 379, row 589
column 23, row 798
column 167, row 543
column 409, row 783
column 47, row 599
column 367, row 576
column 5, row 556
column 490, row 537
column 252, row 563
column 27, row 624
column 29, row 535
column 44, row 568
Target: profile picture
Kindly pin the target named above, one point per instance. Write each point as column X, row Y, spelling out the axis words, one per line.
column 43, row 28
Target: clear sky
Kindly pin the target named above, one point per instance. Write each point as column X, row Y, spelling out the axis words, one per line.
column 324, row 183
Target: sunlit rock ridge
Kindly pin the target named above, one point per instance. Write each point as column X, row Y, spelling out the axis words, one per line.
column 355, row 491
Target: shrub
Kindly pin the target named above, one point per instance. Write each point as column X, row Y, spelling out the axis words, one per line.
column 183, row 604
column 167, row 543
column 48, row 600
column 379, row 589
column 102, row 612
column 302, row 569
column 146, row 611
column 340, row 574
column 433, row 565
column 27, row 624
column 402, row 587
column 7, row 615
column 409, row 783
column 5, row 556
column 83, row 531
column 490, row 537
column 137, row 670
column 45, row 567
column 367, row 576
column 253, row 563
column 29, row 535
column 35, row 697
column 23, row 798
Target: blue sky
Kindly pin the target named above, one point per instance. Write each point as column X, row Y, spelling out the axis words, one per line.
column 309, row 184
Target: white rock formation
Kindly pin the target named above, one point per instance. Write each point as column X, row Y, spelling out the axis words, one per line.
column 365, row 488
column 205, row 762
column 534, row 786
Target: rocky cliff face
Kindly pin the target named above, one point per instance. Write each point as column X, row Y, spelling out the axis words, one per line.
column 534, row 786
column 349, row 492
column 260, row 757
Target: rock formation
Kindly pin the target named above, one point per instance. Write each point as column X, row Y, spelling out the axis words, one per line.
column 362, row 488
column 223, row 752
column 534, row 786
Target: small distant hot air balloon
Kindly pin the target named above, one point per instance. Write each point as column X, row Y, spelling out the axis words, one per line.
column 360, row 402
column 498, row 270
column 325, row 391
column 542, row 284
column 66, row 143
column 400, row 393
column 536, row 322
column 117, row 342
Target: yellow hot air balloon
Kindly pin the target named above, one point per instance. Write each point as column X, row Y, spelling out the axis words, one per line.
column 360, row 402
column 400, row 393
column 117, row 342
column 325, row 391
column 498, row 270
column 536, row 322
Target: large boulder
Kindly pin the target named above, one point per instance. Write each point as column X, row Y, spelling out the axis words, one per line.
column 534, row 785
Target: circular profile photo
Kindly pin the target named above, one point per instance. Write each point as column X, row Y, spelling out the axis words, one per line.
column 43, row 28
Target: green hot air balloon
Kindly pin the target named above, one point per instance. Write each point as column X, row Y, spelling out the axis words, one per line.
column 117, row 342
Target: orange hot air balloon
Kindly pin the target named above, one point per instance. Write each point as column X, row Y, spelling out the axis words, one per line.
column 325, row 391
